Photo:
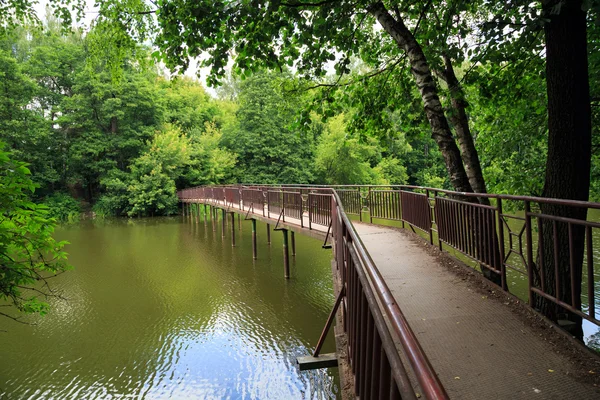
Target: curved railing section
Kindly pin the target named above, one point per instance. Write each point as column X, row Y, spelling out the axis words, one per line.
column 547, row 243
column 373, row 356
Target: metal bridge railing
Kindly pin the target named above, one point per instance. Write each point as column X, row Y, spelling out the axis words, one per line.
column 548, row 242
column 375, row 361
column 539, row 239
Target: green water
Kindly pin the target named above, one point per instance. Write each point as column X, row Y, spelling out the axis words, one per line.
column 165, row 309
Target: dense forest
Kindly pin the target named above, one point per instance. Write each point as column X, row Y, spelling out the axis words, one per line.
column 121, row 141
column 98, row 117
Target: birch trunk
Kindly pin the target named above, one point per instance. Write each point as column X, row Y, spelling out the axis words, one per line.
column 440, row 129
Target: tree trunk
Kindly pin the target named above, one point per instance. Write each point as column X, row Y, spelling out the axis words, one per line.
column 459, row 119
column 440, row 129
column 569, row 156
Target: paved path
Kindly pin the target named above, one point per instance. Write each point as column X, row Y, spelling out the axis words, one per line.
column 479, row 347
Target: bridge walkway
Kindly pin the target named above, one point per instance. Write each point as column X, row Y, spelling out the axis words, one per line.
column 478, row 346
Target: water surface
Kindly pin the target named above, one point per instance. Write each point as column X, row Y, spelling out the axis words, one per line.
column 165, row 309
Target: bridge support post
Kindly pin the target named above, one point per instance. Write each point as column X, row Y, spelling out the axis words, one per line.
column 205, row 214
column 286, row 255
column 254, row 247
column 293, row 243
column 232, row 229
column 213, row 211
column 239, row 222
column 268, row 234
column 223, row 222
column 197, row 212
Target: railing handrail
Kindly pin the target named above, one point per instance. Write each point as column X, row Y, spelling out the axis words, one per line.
column 430, row 384
column 537, row 199
column 398, row 326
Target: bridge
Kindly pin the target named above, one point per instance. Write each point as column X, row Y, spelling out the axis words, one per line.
column 413, row 322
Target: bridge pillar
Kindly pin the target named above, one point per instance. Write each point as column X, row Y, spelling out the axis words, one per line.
column 223, row 222
column 213, row 211
column 268, row 234
column 205, row 214
column 239, row 222
column 232, row 229
column 286, row 255
column 197, row 207
column 293, row 243
column 254, row 247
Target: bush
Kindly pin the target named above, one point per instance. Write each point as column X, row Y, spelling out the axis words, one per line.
column 63, row 207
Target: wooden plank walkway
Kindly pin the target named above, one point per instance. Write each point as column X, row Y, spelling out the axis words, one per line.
column 478, row 346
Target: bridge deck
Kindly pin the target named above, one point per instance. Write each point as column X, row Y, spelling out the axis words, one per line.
column 477, row 345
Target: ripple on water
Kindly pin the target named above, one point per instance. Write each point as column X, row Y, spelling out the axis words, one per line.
column 163, row 310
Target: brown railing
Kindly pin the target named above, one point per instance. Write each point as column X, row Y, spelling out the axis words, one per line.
column 375, row 360
column 547, row 242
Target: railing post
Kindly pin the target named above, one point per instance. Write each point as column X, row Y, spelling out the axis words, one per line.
column 309, row 212
column 429, row 209
column 283, row 205
column 501, row 243
column 370, row 205
column 529, row 245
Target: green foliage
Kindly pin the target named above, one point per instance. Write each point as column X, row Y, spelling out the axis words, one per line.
column 28, row 253
column 63, row 207
column 392, row 171
column 269, row 148
column 340, row 159
column 209, row 163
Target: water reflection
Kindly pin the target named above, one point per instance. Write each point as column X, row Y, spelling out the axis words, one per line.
column 163, row 309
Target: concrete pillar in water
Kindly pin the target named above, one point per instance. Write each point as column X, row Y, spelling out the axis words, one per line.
column 223, row 222
column 232, row 229
column 293, row 243
column 268, row 234
column 254, row 247
column 286, row 255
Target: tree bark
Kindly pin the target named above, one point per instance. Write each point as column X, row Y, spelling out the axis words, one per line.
column 440, row 129
column 569, row 156
column 460, row 121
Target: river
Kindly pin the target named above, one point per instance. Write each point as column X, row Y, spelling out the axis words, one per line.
column 165, row 309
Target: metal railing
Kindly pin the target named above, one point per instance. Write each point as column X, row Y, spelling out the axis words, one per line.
column 373, row 356
column 549, row 243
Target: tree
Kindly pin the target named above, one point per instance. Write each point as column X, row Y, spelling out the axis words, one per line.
column 342, row 160
column 269, row 149
column 569, row 151
column 29, row 256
